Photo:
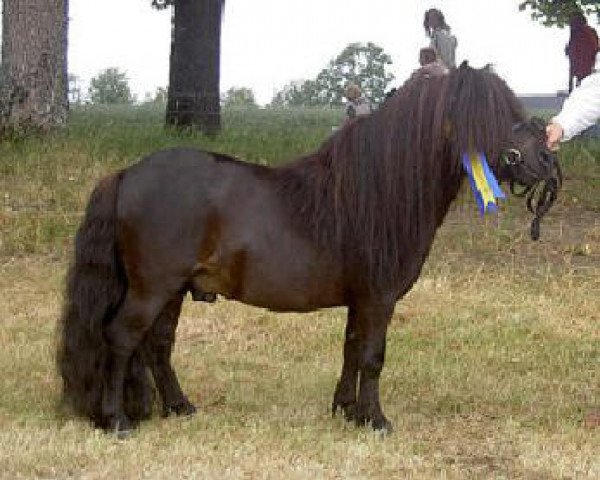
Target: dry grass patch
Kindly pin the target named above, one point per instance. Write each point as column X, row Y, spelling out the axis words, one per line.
column 489, row 373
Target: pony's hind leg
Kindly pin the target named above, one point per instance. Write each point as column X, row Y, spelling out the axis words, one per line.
column 123, row 335
column 157, row 348
column 138, row 390
column 344, row 397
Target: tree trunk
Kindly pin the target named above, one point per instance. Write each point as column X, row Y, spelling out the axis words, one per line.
column 193, row 96
column 33, row 83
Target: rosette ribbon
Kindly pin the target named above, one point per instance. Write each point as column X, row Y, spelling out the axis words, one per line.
column 486, row 188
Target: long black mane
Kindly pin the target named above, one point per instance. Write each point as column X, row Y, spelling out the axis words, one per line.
column 377, row 189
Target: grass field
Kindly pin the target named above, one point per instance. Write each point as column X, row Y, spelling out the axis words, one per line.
column 493, row 359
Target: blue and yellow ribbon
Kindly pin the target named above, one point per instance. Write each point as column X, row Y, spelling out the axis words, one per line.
column 483, row 183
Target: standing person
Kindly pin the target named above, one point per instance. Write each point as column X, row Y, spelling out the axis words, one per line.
column 581, row 49
column 442, row 40
column 580, row 111
column 357, row 104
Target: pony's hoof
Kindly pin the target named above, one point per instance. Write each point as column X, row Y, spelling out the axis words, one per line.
column 383, row 426
column 348, row 410
column 183, row 409
column 377, row 422
column 121, row 427
column 344, row 399
column 123, row 434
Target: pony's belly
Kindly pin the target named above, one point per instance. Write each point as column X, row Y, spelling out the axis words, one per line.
column 289, row 295
column 277, row 284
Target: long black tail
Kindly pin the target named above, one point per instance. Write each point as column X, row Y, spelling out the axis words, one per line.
column 96, row 286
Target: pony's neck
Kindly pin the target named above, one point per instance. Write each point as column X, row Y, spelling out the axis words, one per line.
column 404, row 227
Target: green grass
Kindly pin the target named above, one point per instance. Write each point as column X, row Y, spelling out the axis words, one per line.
column 46, row 181
column 493, row 359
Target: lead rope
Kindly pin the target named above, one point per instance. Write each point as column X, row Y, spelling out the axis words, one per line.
column 540, row 197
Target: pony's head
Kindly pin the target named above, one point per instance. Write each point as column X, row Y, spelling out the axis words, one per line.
column 486, row 116
column 527, row 160
column 531, row 169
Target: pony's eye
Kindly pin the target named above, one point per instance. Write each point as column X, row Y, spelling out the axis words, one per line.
column 512, row 156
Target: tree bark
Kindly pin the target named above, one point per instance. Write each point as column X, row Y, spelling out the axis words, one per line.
column 193, row 95
column 34, row 83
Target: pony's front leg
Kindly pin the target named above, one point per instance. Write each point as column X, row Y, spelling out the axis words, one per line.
column 344, row 397
column 372, row 322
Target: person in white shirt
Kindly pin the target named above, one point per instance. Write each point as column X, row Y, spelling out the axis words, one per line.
column 580, row 110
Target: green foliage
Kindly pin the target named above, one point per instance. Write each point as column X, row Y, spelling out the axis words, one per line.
column 557, row 12
column 239, row 97
column 363, row 64
column 110, row 87
column 74, row 90
column 159, row 96
column 297, row 94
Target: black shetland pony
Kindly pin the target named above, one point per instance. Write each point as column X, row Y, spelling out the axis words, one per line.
column 350, row 224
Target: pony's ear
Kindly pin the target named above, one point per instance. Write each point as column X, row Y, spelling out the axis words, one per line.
column 539, row 124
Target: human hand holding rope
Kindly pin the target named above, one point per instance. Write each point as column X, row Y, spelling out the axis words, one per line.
column 554, row 133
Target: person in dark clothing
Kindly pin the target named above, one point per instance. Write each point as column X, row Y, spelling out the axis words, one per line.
column 581, row 49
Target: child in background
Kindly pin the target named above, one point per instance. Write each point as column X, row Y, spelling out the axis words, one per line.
column 442, row 41
column 357, row 104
